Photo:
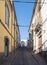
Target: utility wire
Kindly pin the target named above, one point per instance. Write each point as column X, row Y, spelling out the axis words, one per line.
column 29, row 2
column 24, row 1
column 22, row 25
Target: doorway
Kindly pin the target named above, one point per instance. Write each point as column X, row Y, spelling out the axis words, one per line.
column 6, row 50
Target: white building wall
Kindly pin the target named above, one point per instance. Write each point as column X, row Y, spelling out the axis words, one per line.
column 35, row 38
column 34, row 22
column 44, row 26
column 44, row 36
column 44, row 11
column 35, row 44
column 34, row 41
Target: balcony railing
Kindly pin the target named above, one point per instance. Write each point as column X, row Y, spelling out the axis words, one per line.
column 38, row 27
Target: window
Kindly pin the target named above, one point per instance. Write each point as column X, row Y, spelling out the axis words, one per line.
column 7, row 15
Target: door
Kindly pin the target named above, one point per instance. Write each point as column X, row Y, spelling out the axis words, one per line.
column 6, row 46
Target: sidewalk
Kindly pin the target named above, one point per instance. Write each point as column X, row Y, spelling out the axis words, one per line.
column 44, row 55
column 39, row 59
column 4, row 60
column 7, row 60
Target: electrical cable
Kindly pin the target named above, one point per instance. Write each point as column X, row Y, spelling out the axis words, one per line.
column 29, row 2
column 22, row 25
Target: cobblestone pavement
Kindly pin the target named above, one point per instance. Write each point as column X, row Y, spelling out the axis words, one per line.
column 25, row 57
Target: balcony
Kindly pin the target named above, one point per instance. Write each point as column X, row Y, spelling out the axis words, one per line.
column 37, row 28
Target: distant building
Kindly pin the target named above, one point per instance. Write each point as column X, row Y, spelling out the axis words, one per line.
column 23, row 43
column 17, row 35
column 30, row 41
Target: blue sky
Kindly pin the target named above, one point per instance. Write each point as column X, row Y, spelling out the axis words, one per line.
column 24, row 14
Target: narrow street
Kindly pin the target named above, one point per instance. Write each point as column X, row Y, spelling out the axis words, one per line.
column 23, row 32
column 24, row 56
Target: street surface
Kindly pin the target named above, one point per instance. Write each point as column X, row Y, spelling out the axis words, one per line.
column 24, row 56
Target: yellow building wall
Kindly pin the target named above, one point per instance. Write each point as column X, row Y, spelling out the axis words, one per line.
column 10, row 21
column 12, row 44
column 13, row 23
column 2, row 13
column 15, row 38
column 12, row 29
column 4, row 33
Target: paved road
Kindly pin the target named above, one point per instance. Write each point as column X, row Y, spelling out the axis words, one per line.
column 24, row 56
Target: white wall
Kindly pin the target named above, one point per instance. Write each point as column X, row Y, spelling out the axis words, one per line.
column 44, row 26
column 44, row 36
column 34, row 22
column 34, row 41
column 44, row 11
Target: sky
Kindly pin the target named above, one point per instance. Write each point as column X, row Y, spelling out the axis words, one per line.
column 24, row 14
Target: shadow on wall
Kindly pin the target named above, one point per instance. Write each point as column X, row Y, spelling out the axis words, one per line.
column 2, row 54
column 3, row 57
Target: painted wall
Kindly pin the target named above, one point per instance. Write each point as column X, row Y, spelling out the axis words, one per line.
column 35, row 20
column 44, row 26
column 3, row 31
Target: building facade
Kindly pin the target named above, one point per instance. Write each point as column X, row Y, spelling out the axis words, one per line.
column 30, row 41
column 35, row 25
column 7, row 27
column 44, row 24
column 17, row 35
column 39, row 26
